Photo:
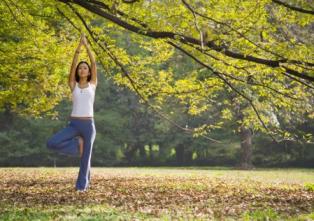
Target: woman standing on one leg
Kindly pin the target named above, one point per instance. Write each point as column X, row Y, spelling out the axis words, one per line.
column 79, row 135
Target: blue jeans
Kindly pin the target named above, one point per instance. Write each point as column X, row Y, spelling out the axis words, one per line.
column 66, row 142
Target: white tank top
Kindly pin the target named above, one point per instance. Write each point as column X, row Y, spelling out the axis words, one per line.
column 83, row 101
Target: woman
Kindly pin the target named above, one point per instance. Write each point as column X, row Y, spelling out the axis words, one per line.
column 79, row 135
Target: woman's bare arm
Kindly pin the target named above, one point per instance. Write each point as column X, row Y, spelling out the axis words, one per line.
column 93, row 62
column 71, row 80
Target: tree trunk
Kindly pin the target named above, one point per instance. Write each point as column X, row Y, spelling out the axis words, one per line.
column 188, row 156
column 129, row 153
column 246, row 149
column 180, row 153
column 142, row 151
column 151, row 153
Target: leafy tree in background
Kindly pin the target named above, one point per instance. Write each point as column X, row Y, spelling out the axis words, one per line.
column 34, row 58
column 248, row 62
column 242, row 47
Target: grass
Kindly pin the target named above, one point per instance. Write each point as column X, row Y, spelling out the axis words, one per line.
column 69, row 212
column 105, row 212
column 157, row 193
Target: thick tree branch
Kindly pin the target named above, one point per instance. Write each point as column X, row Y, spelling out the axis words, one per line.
column 186, row 39
column 294, row 8
column 249, row 74
column 130, row 1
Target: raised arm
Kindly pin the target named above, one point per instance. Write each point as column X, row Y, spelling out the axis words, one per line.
column 71, row 80
column 92, row 60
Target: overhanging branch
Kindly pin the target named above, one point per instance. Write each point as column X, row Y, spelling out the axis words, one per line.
column 294, row 8
column 186, row 39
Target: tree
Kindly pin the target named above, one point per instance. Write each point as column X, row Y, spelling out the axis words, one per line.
column 243, row 48
column 258, row 53
column 35, row 55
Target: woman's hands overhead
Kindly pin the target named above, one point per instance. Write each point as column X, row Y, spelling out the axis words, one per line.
column 84, row 39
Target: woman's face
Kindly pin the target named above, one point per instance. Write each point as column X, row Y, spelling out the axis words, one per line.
column 83, row 70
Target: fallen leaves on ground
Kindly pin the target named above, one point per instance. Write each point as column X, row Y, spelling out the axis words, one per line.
column 199, row 196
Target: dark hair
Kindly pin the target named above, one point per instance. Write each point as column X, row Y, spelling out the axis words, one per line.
column 77, row 77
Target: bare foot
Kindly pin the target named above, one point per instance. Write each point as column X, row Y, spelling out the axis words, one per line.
column 81, row 143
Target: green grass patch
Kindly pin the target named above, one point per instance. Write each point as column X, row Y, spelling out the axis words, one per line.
column 69, row 212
